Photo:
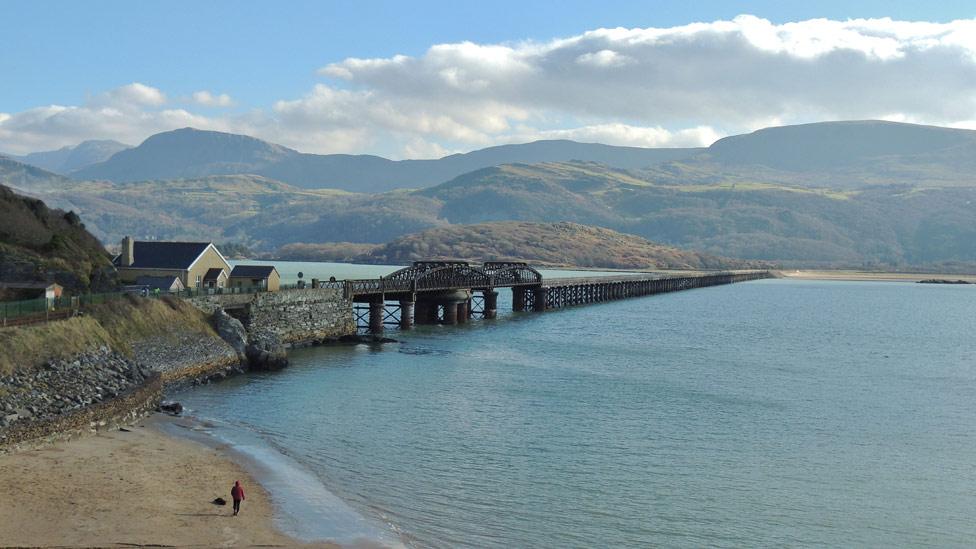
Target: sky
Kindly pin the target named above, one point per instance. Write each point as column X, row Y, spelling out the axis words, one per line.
column 426, row 79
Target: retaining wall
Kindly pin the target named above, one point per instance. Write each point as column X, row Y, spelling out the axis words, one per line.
column 129, row 406
column 287, row 316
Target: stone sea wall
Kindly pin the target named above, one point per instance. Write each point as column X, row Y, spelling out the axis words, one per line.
column 290, row 316
column 117, row 409
column 104, row 388
column 186, row 356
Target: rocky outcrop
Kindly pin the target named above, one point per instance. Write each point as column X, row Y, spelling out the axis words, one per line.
column 266, row 355
column 230, row 330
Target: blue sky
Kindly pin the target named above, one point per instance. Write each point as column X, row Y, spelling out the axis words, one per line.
column 259, row 54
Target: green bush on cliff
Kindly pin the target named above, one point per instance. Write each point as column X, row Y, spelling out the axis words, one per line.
column 41, row 244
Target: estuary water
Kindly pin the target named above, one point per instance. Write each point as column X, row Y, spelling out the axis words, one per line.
column 774, row 412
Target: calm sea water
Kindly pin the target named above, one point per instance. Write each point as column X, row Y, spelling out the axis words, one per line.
column 765, row 413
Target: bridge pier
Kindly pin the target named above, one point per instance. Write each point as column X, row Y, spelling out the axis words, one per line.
column 376, row 311
column 406, row 314
column 518, row 299
column 422, row 312
column 462, row 312
column 540, row 293
column 491, row 303
column 450, row 313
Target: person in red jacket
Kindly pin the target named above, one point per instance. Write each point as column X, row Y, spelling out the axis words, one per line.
column 237, row 494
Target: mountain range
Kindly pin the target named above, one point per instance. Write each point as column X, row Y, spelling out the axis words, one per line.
column 69, row 159
column 853, row 194
column 190, row 153
column 850, row 154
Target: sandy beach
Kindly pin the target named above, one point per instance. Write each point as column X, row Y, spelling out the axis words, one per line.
column 872, row 276
column 140, row 487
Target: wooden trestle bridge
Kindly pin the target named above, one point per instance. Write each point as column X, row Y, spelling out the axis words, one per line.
column 452, row 292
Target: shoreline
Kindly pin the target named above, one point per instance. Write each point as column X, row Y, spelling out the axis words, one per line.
column 141, row 486
column 872, row 276
column 303, row 507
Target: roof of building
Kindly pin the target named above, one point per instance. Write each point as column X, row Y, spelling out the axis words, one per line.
column 252, row 271
column 161, row 282
column 213, row 273
column 164, row 255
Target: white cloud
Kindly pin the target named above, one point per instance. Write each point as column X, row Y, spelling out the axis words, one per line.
column 674, row 86
column 626, row 135
column 207, row 99
column 132, row 95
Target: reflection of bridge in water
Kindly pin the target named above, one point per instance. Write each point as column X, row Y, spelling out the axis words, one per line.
column 452, row 292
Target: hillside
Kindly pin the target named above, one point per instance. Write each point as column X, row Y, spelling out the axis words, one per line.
column 549, row 244
column 882, row 226
column 14, row 173
column 190, row 153
column 843, row 155
column 41, row 244
column 791, row 210
column 68, row 159
column 839, row 155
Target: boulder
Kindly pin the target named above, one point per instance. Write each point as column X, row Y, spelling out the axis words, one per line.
column 266, row 355
column 171, row 407
column 231, row 330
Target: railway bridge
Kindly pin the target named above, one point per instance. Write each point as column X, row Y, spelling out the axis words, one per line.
column 452, row 292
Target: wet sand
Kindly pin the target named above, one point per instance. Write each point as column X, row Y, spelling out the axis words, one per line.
column 868, row 275
column 141, row 487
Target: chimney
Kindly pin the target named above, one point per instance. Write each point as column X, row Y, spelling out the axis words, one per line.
column 128, row 255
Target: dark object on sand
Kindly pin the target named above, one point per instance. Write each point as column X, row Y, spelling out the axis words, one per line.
column 124, row 430
column 170, row 407
column 219, row 501
column 942, row 281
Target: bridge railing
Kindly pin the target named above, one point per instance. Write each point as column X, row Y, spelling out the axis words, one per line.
column 574, row 281
column 428, row 284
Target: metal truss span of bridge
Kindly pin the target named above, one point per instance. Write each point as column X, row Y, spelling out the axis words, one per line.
column 453, row 292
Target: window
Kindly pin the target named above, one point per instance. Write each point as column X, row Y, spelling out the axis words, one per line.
column 199, row 280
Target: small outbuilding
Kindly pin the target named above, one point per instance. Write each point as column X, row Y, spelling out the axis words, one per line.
column 264, row 277
column 30, row 290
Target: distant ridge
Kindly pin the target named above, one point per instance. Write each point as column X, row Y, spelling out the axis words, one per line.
column 68, row 159
column 189, row 153
column 835, row 154
column 828, row 145
column 17, row 174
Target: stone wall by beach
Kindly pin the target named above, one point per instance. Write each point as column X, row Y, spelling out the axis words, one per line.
column 186, row 356
column 289, row 316
column 107, row 391
column 107, row 386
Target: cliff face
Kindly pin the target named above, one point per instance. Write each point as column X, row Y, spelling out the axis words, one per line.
column 41, row 244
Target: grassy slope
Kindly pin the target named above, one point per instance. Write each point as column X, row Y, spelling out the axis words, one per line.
column 116, row 325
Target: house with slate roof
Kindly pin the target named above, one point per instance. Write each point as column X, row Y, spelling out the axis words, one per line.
column 255, row 276
column 196, row 264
